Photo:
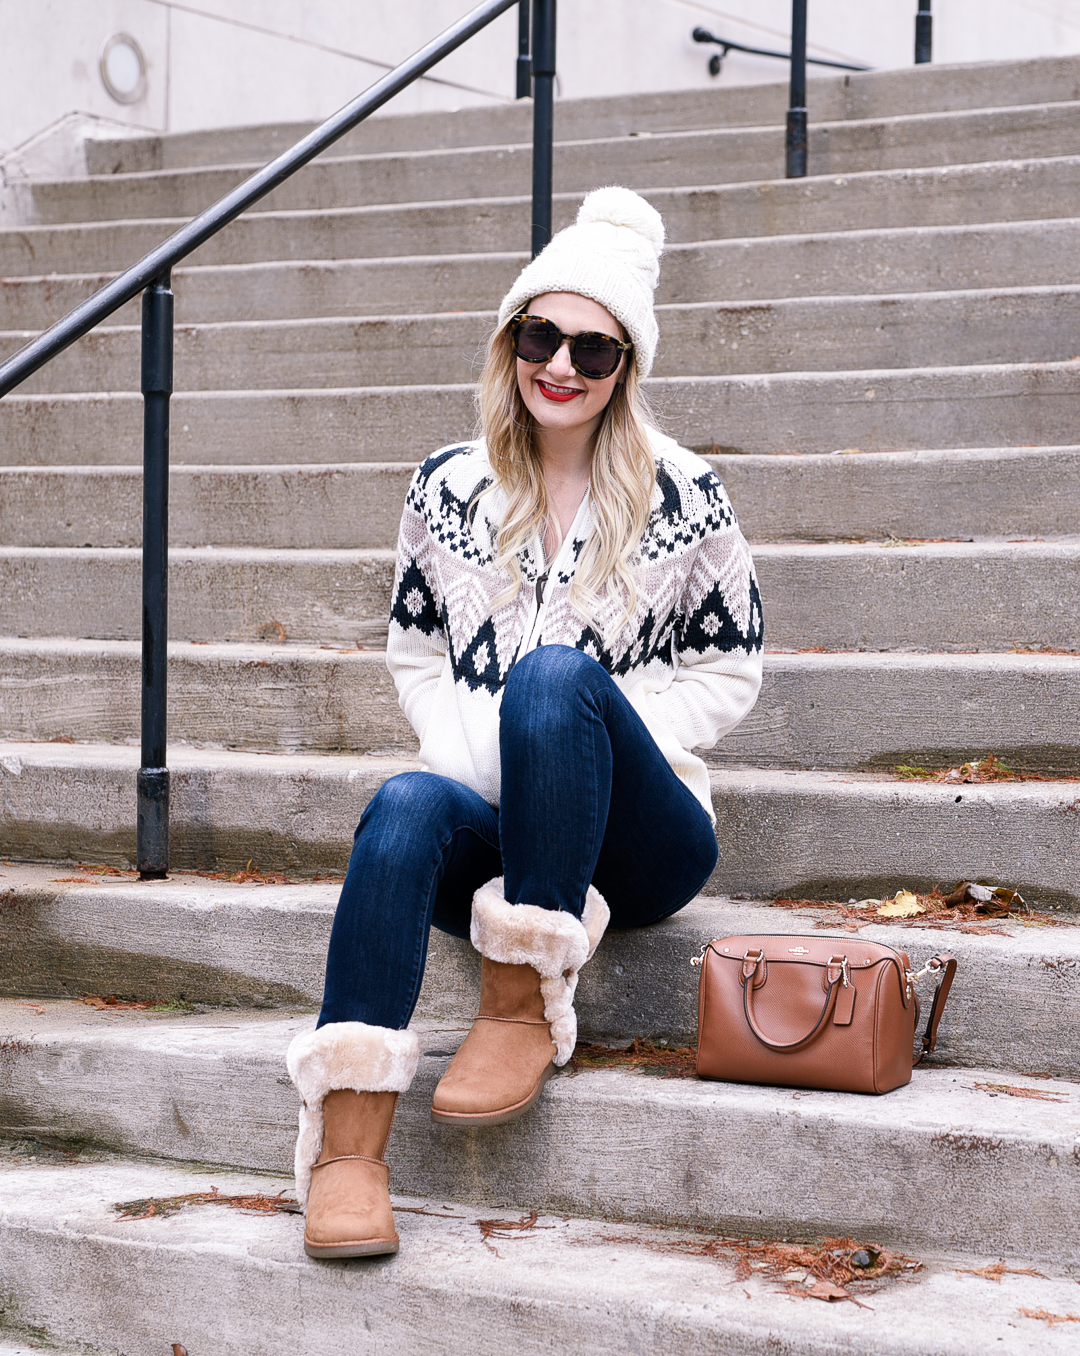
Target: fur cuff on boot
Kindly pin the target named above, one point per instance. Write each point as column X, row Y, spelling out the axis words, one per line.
column 554, row 943
column 343, row 1056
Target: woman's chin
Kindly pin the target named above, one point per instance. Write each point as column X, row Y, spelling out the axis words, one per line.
column 562, row 416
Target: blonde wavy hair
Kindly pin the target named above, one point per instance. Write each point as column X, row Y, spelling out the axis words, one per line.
column 621, row 483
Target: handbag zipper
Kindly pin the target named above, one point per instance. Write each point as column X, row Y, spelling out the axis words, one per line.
column 910, row 976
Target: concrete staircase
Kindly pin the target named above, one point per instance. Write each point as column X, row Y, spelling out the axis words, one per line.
column 882, row 363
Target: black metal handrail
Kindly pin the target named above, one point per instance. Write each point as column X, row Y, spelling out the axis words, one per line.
column 729, row 45
column 796, row 140
column 181, row 243
column 151, row 276
column 924, row 33
column 523, row 73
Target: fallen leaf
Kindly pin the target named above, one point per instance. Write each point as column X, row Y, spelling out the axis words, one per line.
column 903, row 905
column 988, row 900
column 957, row 896
column 825, row 1290
column 178, row 1350
column 1001, row 901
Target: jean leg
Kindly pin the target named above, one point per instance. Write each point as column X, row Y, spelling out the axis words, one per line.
column 587, row 796
column 659, row 847
column 556, row 778
column 424, row 845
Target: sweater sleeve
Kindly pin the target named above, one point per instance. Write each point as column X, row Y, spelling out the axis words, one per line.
column 416, row 643
column 717, row 643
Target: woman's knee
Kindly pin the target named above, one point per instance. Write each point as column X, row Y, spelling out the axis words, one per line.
column 551, row 675
column 412, row 802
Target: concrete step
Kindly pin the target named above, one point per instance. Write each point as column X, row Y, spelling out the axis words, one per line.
column 662, row 160
column 928, row 710
column 571, row 1284
column 842, row 263
column 1021, row 405
column 337, row 506
column 808, row 835
column 575, row 119
column 978, row 492
column 952, row 195
column 192, row 1089
column 820, row 334
column 870, row 94
column 17, row 1348
column 992, row 595
column 996, row 405
column 262, row 947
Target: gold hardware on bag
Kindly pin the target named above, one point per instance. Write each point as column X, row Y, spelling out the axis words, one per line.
column 696, row 960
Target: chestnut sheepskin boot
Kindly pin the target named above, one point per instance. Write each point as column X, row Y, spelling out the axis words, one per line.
column 527, row 1026
column 348, row 1075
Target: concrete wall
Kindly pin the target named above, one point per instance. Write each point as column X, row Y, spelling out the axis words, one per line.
column 226, row 62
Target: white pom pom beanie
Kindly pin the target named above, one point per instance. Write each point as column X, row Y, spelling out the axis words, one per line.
column 610, row 254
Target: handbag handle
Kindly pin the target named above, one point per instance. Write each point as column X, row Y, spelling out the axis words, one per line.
column 751, row 961
column 946, row 963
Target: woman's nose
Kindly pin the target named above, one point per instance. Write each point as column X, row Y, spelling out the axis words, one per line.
column 560, row 365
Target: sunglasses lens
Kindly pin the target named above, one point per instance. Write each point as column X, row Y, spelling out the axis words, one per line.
column 537, row 340
column 596, row 355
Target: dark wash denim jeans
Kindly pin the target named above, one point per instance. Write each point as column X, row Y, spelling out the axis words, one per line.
column 586, row 797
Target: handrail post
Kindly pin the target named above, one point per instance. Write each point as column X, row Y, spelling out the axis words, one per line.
column 524, row 61
column 543, row 71
column 924, row 33
column 152, row 853
column 797, row 135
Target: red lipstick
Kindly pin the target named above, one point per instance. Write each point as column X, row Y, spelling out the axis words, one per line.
column 551, row 393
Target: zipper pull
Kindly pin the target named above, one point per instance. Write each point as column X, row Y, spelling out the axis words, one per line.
column 541, row 581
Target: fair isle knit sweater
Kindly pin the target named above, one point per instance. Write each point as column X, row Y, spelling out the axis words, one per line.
column 688, row 660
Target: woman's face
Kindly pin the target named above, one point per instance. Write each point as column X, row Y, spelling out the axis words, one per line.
column 558, row 398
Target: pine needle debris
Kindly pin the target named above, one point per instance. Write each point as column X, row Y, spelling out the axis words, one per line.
column 661, row 1061
column 257, row 1203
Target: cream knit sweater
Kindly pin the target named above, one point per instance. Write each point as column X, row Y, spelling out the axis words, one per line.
column 689, row 659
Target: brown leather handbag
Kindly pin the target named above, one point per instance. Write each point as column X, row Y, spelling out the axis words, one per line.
column 813, row 1012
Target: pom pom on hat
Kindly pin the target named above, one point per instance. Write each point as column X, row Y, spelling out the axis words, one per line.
column 623, row 207
column 611, row 254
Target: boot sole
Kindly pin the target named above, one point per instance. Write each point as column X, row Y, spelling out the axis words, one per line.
column 372, row 1247
column 509, row 1113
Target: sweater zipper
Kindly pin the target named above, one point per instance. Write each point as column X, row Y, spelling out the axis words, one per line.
column 539, row 607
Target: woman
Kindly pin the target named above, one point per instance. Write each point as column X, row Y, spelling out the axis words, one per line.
column 574, row 610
